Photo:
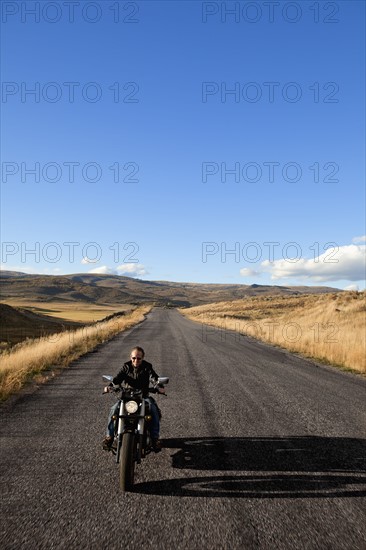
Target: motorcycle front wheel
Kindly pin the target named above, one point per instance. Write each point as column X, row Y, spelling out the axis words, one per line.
column 127, row 462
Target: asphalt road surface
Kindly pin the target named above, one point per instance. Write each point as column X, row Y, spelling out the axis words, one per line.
column 262, row 449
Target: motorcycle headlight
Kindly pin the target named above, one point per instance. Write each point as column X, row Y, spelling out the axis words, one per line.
column 131, row 407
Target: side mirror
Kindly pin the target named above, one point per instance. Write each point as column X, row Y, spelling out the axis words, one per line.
column 107, row 377
column 163, row 379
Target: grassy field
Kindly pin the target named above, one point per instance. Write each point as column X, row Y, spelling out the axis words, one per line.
column 326, row 327
column 32, row 357
column 80, row 312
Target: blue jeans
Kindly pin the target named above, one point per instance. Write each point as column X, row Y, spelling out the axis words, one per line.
column 154, row 425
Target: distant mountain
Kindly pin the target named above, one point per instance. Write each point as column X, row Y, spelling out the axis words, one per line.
column 4, row 273
column 116, row 289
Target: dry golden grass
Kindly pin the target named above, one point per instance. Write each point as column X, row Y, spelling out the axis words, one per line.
column 58, row 350
column 70, row 311
column 327, row 327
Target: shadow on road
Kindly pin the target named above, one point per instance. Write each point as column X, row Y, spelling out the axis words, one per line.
column 288, row 467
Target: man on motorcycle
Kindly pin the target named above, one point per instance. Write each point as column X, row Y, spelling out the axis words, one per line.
column 136, row 373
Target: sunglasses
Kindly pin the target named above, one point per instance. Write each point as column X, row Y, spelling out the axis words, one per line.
column 136, row 358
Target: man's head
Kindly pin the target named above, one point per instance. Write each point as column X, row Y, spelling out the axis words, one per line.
column 137, row 355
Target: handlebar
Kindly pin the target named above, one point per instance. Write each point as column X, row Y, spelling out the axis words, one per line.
column 115, row 389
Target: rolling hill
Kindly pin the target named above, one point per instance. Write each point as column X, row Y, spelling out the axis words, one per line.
column 18, row 324
column 115, row 289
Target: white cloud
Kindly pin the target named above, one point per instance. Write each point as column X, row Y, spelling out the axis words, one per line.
column 352, row 287
column 86, row 260
column 361, row 239
column 341, row 263
column 246, row 272
column 132, row 270
column 103, row 270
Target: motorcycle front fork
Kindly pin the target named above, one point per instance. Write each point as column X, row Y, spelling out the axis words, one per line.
column 143, row 441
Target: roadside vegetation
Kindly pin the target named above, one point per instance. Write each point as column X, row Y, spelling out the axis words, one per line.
column 326, row 327
column 34, row 356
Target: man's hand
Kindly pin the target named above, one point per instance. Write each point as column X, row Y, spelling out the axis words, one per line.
column 161, row 390
column 107, row 389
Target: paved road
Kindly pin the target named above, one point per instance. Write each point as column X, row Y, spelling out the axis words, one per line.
column 262, row 449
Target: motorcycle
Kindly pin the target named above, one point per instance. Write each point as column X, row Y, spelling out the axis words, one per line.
column 132, row 440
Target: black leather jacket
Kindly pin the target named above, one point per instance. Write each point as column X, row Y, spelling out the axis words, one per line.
column 136, row 377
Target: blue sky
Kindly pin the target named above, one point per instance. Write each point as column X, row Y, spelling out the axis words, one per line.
column 218, row 142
